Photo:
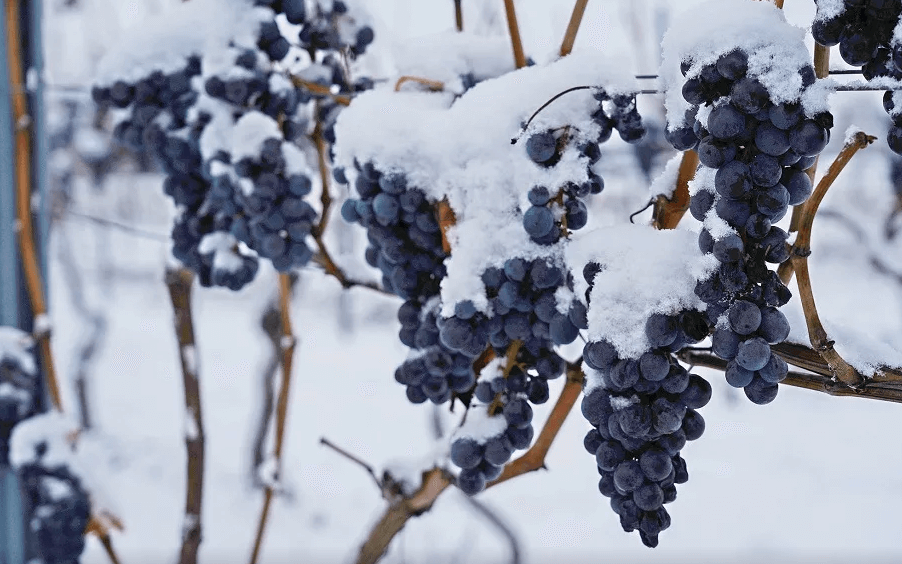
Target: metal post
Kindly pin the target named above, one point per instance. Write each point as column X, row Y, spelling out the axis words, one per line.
column 15, row 546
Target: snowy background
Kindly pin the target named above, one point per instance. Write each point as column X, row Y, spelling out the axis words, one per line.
column 808, row 477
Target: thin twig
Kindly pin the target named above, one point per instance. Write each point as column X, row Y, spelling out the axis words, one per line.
column 179, row 282
column 499, row 524
column 514, row 28
column 288, row 342
column 109, row 223
column 323, row 164
column 821, row 70
column 669, row 212
column 458, row 15
column 320, row 90
column 31, row 268
column 434, row 85
column 271, row 324
column 573, row 27
column 802, row 249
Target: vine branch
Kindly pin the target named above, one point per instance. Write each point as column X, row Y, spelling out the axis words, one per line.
column 669, row 212
column 514, row 28
column 821, row 70
column 288, row 343
column 179, row 282
column 458, row 15
column 320, row 90
column 573, row 27
column 802, row 249
column 31, row 268
column 433, row 85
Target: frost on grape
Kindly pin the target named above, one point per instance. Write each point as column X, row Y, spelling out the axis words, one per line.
column 461, row 150
column 646, row 272
column 776, row 52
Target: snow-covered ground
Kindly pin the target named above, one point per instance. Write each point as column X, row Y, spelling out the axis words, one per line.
column 808, row 477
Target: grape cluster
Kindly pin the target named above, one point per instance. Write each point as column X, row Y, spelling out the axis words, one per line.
column 753, row 156
column 402, row 229
column 546, row 149
column 864, row 31
column 507, row 393
column 61, row 511
column 643, row 413
column 524, row 327
column 18, row 384
column 235, row 208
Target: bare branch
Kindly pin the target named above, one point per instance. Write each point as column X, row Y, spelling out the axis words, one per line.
column 499, row 524
column 434, row 85
column 402, row 508
column 821, row 70
column 802, row 249
column 356, row 460
column 669, row 212
column 886, row 386
column 573, row 27
column 514, row 28
column 458, row 15
column 320, row 90
column 288, row 343
column 179, row 283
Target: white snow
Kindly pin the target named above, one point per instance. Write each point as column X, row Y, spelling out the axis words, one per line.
column 775, row 48
column 665, row 183
column 222, row 245
column 192, row 429
column 249, row 133
column 647, row 272
column 18, row 345
column 479, row 425
column 463, row 153
column 447, row 56
column 189, row 28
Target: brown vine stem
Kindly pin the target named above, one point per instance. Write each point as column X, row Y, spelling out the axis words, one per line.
column 669, row 212
column 821, row 70
column 324, row 257
column 29, row 256
column 573, row 27
column 514, row 28
column 179, row 282
column 402, row 508
column 288, row 343
column 320, row 90
column 434, row 85
column 883, row 387
column 446, row 220
column 802, row 249
column 458, row 15
column 534, row 458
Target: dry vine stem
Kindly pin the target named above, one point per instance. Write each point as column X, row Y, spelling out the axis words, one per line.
column 27, row 249
column 288, row 344
column 179, row 282
column 458, row 15
column 573, row 27
column 514, row 28
column 844, row 372
column 402, row 508
column 434, row 85
column 821, row 70
column 668, row 212
column 320, row 90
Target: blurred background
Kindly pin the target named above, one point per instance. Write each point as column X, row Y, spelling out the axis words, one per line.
column 808, row 477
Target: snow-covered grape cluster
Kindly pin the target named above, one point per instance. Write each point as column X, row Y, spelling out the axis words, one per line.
column 61, row 510
column 753, row 155
column 868, row 37
column 18, row 383
column 547, row 148
column 642, row 413
column 230, row 129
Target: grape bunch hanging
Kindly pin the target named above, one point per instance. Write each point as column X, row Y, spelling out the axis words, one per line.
column 868, row 37
column 230, row 129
